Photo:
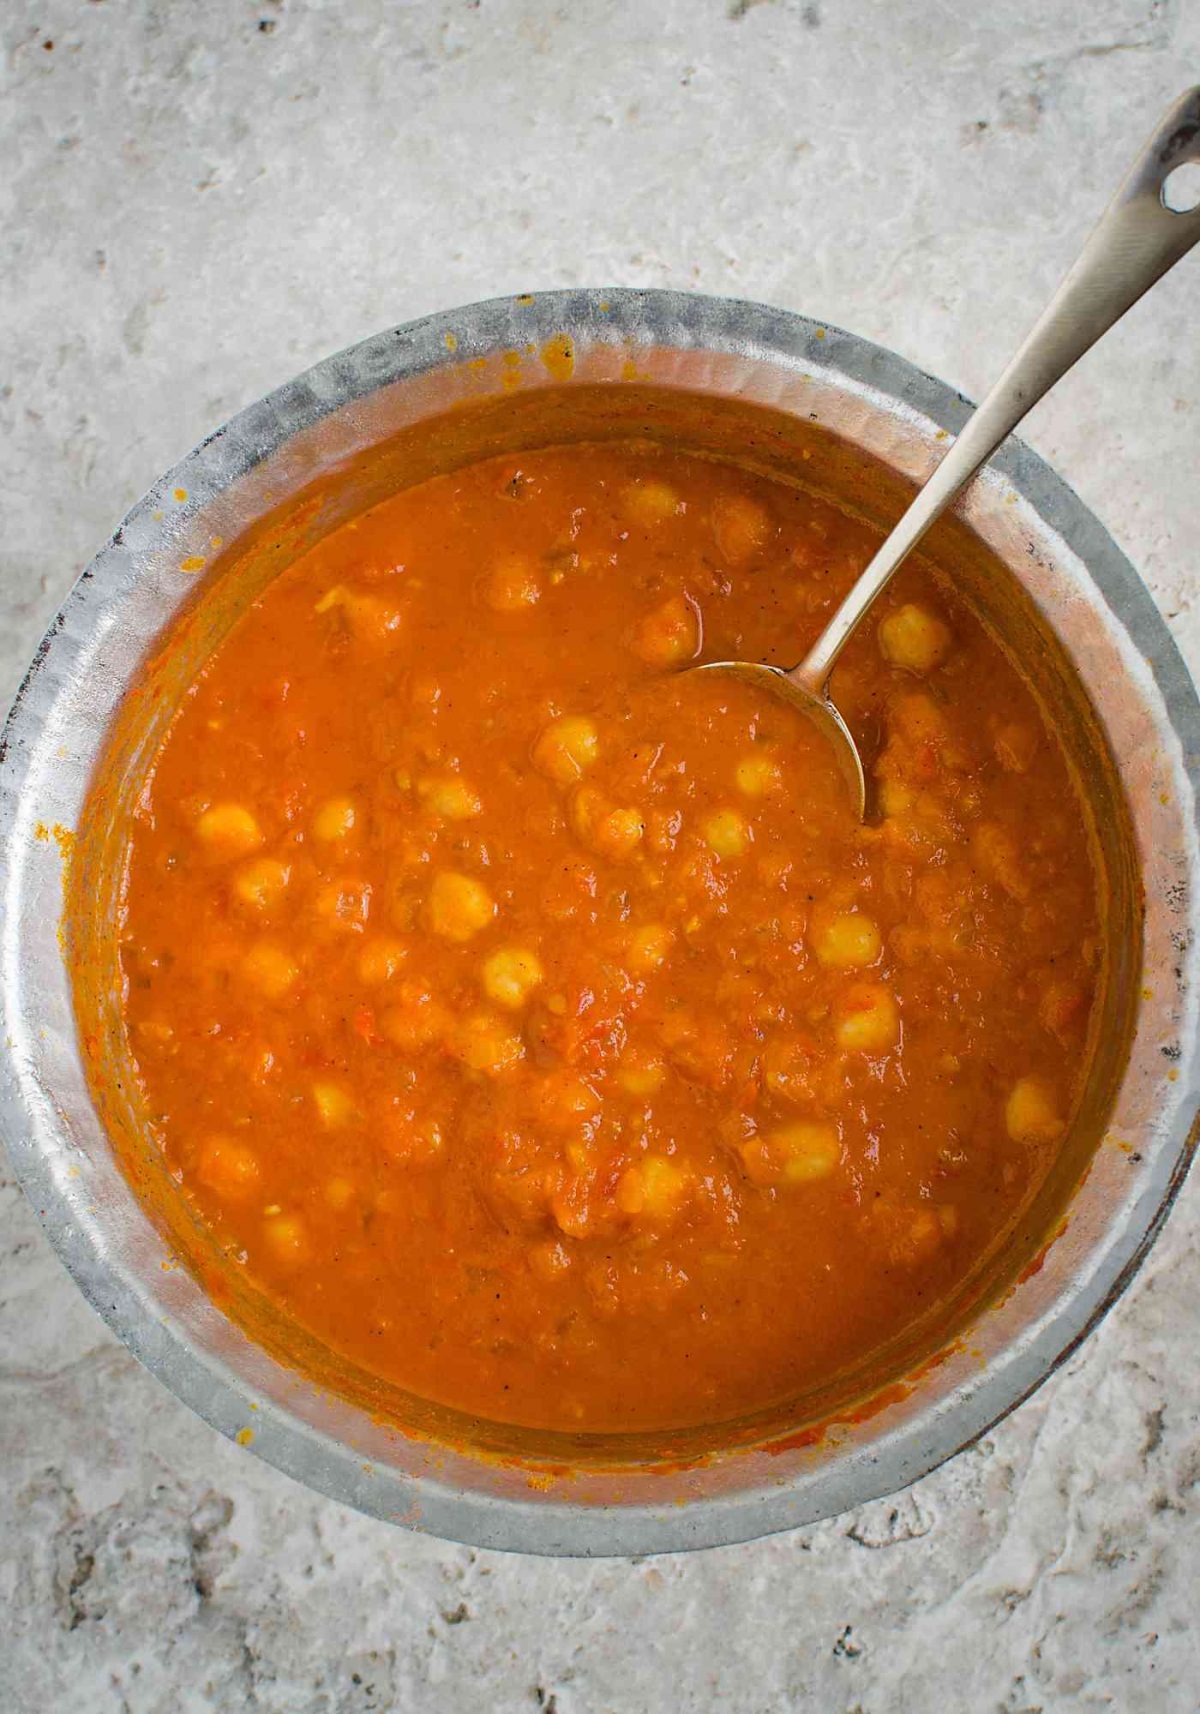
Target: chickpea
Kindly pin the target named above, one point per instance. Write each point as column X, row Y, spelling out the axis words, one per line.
column 1015, row 747
column 513, row 584
column 367, row 618
column 650, row 502
column 380, row 960
column 287, row 1238
column 741, row 526
column 417, row 1019
column 510, row 975
column 669, row 635
column 648, row 947
column 1031, row 1112
column 789, row 1069
column 333, row 598
column 619, row 832
column 564, row 1102
column 413, row 1140
column 269, row 969
column 802, row 1152
column 566, row 749
column 662, row 832
column 610, row 831
column 912, row 638
column 572, row 1205
column 922, row 1240
column 652, row 1189
column 1063, row 1008
column 727, row 833
column 260, row 885
column 997, row 853
column 848, row 940
column 229, row 1168
column 156, row 1031
column 810, row 1151
column 549, row 1261
column 457, row 906
column 641, row 1074
column 450, row 797
column 918, row 719
column 758, row 774
column 343, row 904
column 866, row 1019
column 333, row 1104
column 908, row 1234
column 896, row 798
column 229, row 830
column 334, row 820
column 340, row 1193
column 925, row 1234
column 698, row 1045
column 484, row 1043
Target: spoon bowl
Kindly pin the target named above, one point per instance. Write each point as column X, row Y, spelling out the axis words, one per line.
column 815, row 706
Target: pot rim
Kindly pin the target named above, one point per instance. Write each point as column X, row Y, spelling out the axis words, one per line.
column 449, row 1496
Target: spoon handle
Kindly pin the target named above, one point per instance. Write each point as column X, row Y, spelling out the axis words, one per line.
column 1139, row 237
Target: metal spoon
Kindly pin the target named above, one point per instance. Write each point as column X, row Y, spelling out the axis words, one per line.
column 1143, row 232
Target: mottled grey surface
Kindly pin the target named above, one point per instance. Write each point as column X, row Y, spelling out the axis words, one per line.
column 196, row 201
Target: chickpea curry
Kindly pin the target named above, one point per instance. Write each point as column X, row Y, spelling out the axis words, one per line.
column 533, row 1021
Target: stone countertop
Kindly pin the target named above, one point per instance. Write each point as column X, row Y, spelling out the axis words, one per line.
column 197, row 202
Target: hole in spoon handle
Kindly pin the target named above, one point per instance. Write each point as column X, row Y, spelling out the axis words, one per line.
column 1181, row 189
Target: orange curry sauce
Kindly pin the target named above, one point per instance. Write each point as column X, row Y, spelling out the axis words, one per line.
column 535, row 1024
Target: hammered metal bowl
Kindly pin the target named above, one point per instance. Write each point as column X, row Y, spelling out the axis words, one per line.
column 794, row 398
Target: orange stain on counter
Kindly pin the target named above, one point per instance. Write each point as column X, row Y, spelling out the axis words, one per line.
column 64, row 838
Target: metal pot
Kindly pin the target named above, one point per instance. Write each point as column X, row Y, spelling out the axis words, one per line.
column 803, row 401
